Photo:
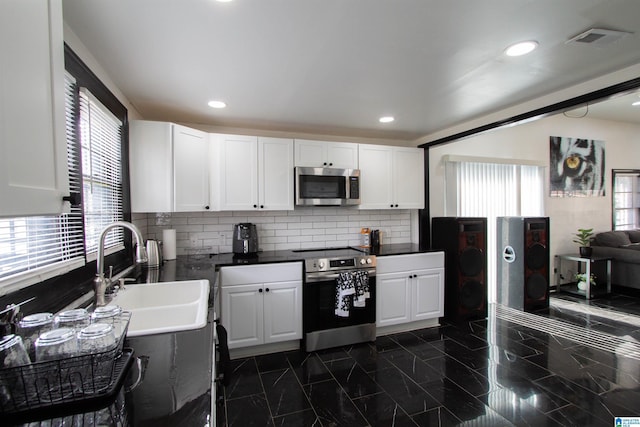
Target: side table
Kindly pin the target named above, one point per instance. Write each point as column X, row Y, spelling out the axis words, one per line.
column 586, row 264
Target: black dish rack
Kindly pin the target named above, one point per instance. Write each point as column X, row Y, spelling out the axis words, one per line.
column 58, row 387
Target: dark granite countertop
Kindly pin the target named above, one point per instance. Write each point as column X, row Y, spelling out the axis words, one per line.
column 176, row 389
column 267, row 257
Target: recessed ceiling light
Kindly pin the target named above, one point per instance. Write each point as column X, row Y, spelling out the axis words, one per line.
column 636, row 104
column 521, row 48
column 217, row 104
column 386, row 119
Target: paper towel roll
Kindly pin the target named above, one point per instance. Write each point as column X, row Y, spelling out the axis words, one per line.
column 169, row 244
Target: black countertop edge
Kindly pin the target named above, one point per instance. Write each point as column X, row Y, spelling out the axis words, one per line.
column 269, row 257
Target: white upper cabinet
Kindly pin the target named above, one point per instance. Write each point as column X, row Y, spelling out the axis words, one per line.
column 391, row 177
column 191, row 170
column 255, row 173
column 169, row 167
column 318, row 154
column 376, row 171
column 33, row 151
column 408, row 178
column 275, row 173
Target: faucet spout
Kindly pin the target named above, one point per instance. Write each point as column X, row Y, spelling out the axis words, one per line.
column 101, row 283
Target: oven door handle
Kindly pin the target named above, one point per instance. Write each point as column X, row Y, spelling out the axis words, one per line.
column 325, row 277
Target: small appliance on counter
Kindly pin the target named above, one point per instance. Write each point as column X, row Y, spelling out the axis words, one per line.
column 245, row 239
column 375, row 239
column 154, row 254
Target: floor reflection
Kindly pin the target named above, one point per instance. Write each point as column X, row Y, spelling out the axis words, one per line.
column 575, row 363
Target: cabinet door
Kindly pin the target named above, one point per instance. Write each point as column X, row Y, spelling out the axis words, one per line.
column 376, row 189
column 392, row 300
column 427, row 298
column 33, row 146
column 275, row 173
column 238, row 172
column 310, row 153
column 319, row 154
column 282, row 311
column 343, row 155
column 191, row 169
column 242, row 315
column 151, row 166
column 408, row 178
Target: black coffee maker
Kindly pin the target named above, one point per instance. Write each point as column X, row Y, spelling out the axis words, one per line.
column 245, row 239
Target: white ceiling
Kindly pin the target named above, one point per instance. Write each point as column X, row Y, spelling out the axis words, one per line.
column 336, row 66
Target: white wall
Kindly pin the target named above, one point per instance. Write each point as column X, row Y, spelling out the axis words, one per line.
column 90, row 61
column 531, row 141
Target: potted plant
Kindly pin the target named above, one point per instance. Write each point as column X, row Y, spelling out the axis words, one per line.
column 583, row 238
column 582, row 280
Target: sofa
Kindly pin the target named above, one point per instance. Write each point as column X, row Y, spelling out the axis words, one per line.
column 624, row 248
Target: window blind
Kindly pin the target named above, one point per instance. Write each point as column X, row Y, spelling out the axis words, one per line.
column 476, row 189
column 35, row 248
column 101, row 135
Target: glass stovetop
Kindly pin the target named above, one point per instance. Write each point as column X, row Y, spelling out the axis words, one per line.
column 344, row 251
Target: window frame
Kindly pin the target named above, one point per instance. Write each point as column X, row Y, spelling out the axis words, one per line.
column 614, row 173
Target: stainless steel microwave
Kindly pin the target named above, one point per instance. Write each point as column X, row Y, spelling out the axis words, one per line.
column 327, row 186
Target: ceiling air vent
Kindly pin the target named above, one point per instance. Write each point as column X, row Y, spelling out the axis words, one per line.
column 598, row 37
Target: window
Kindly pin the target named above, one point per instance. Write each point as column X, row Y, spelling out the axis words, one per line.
column 626, row 199
column 100, row 136
column 477, row 188
column 34, row 249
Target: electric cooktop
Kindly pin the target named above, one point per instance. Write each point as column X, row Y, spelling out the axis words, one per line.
column 343, row 251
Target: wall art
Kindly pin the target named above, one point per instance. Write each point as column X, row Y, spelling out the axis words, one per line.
column 576, row 167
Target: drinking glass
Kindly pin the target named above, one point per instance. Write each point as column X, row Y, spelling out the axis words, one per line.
column 12, row 352
column 96, row 340
column 61, row 379
column 75, row 319
column 111, row 314
column 56, row 344
column 30, row 328
column 12, row 383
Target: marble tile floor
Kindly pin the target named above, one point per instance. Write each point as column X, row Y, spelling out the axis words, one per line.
column 489, row 372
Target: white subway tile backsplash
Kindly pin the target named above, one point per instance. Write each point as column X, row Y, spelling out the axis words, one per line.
column 302, row 228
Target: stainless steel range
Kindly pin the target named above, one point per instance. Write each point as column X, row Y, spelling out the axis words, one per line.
column 323, row 328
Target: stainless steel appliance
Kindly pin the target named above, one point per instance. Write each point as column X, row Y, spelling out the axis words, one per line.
column 327, row 186
column 322, row 327
column 245, row 239
column 154, row 254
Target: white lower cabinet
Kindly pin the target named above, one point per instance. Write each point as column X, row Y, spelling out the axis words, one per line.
column 261, row 304
column 409, row 288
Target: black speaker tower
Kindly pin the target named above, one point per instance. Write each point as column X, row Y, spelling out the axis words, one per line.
column 523, row 262
column 464, row 241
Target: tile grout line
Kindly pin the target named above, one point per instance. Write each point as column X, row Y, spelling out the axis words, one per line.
column 580, row 335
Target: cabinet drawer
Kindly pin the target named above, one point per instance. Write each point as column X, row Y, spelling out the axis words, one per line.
column 397, row 263
column 261, row 273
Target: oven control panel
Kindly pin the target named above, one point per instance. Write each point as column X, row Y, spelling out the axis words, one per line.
column 338, row 264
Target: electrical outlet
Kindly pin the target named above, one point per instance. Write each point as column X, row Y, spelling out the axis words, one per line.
column 194, row 240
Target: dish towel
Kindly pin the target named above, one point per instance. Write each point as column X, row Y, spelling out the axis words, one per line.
column 345, row 287
column 351, row 283
column 361, row 279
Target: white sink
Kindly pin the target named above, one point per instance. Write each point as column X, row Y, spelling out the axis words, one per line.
column 164, row 307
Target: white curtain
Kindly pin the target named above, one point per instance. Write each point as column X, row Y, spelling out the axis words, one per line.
column 491, row 190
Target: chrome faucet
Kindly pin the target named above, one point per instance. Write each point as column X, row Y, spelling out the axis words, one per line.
column 101, row 283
